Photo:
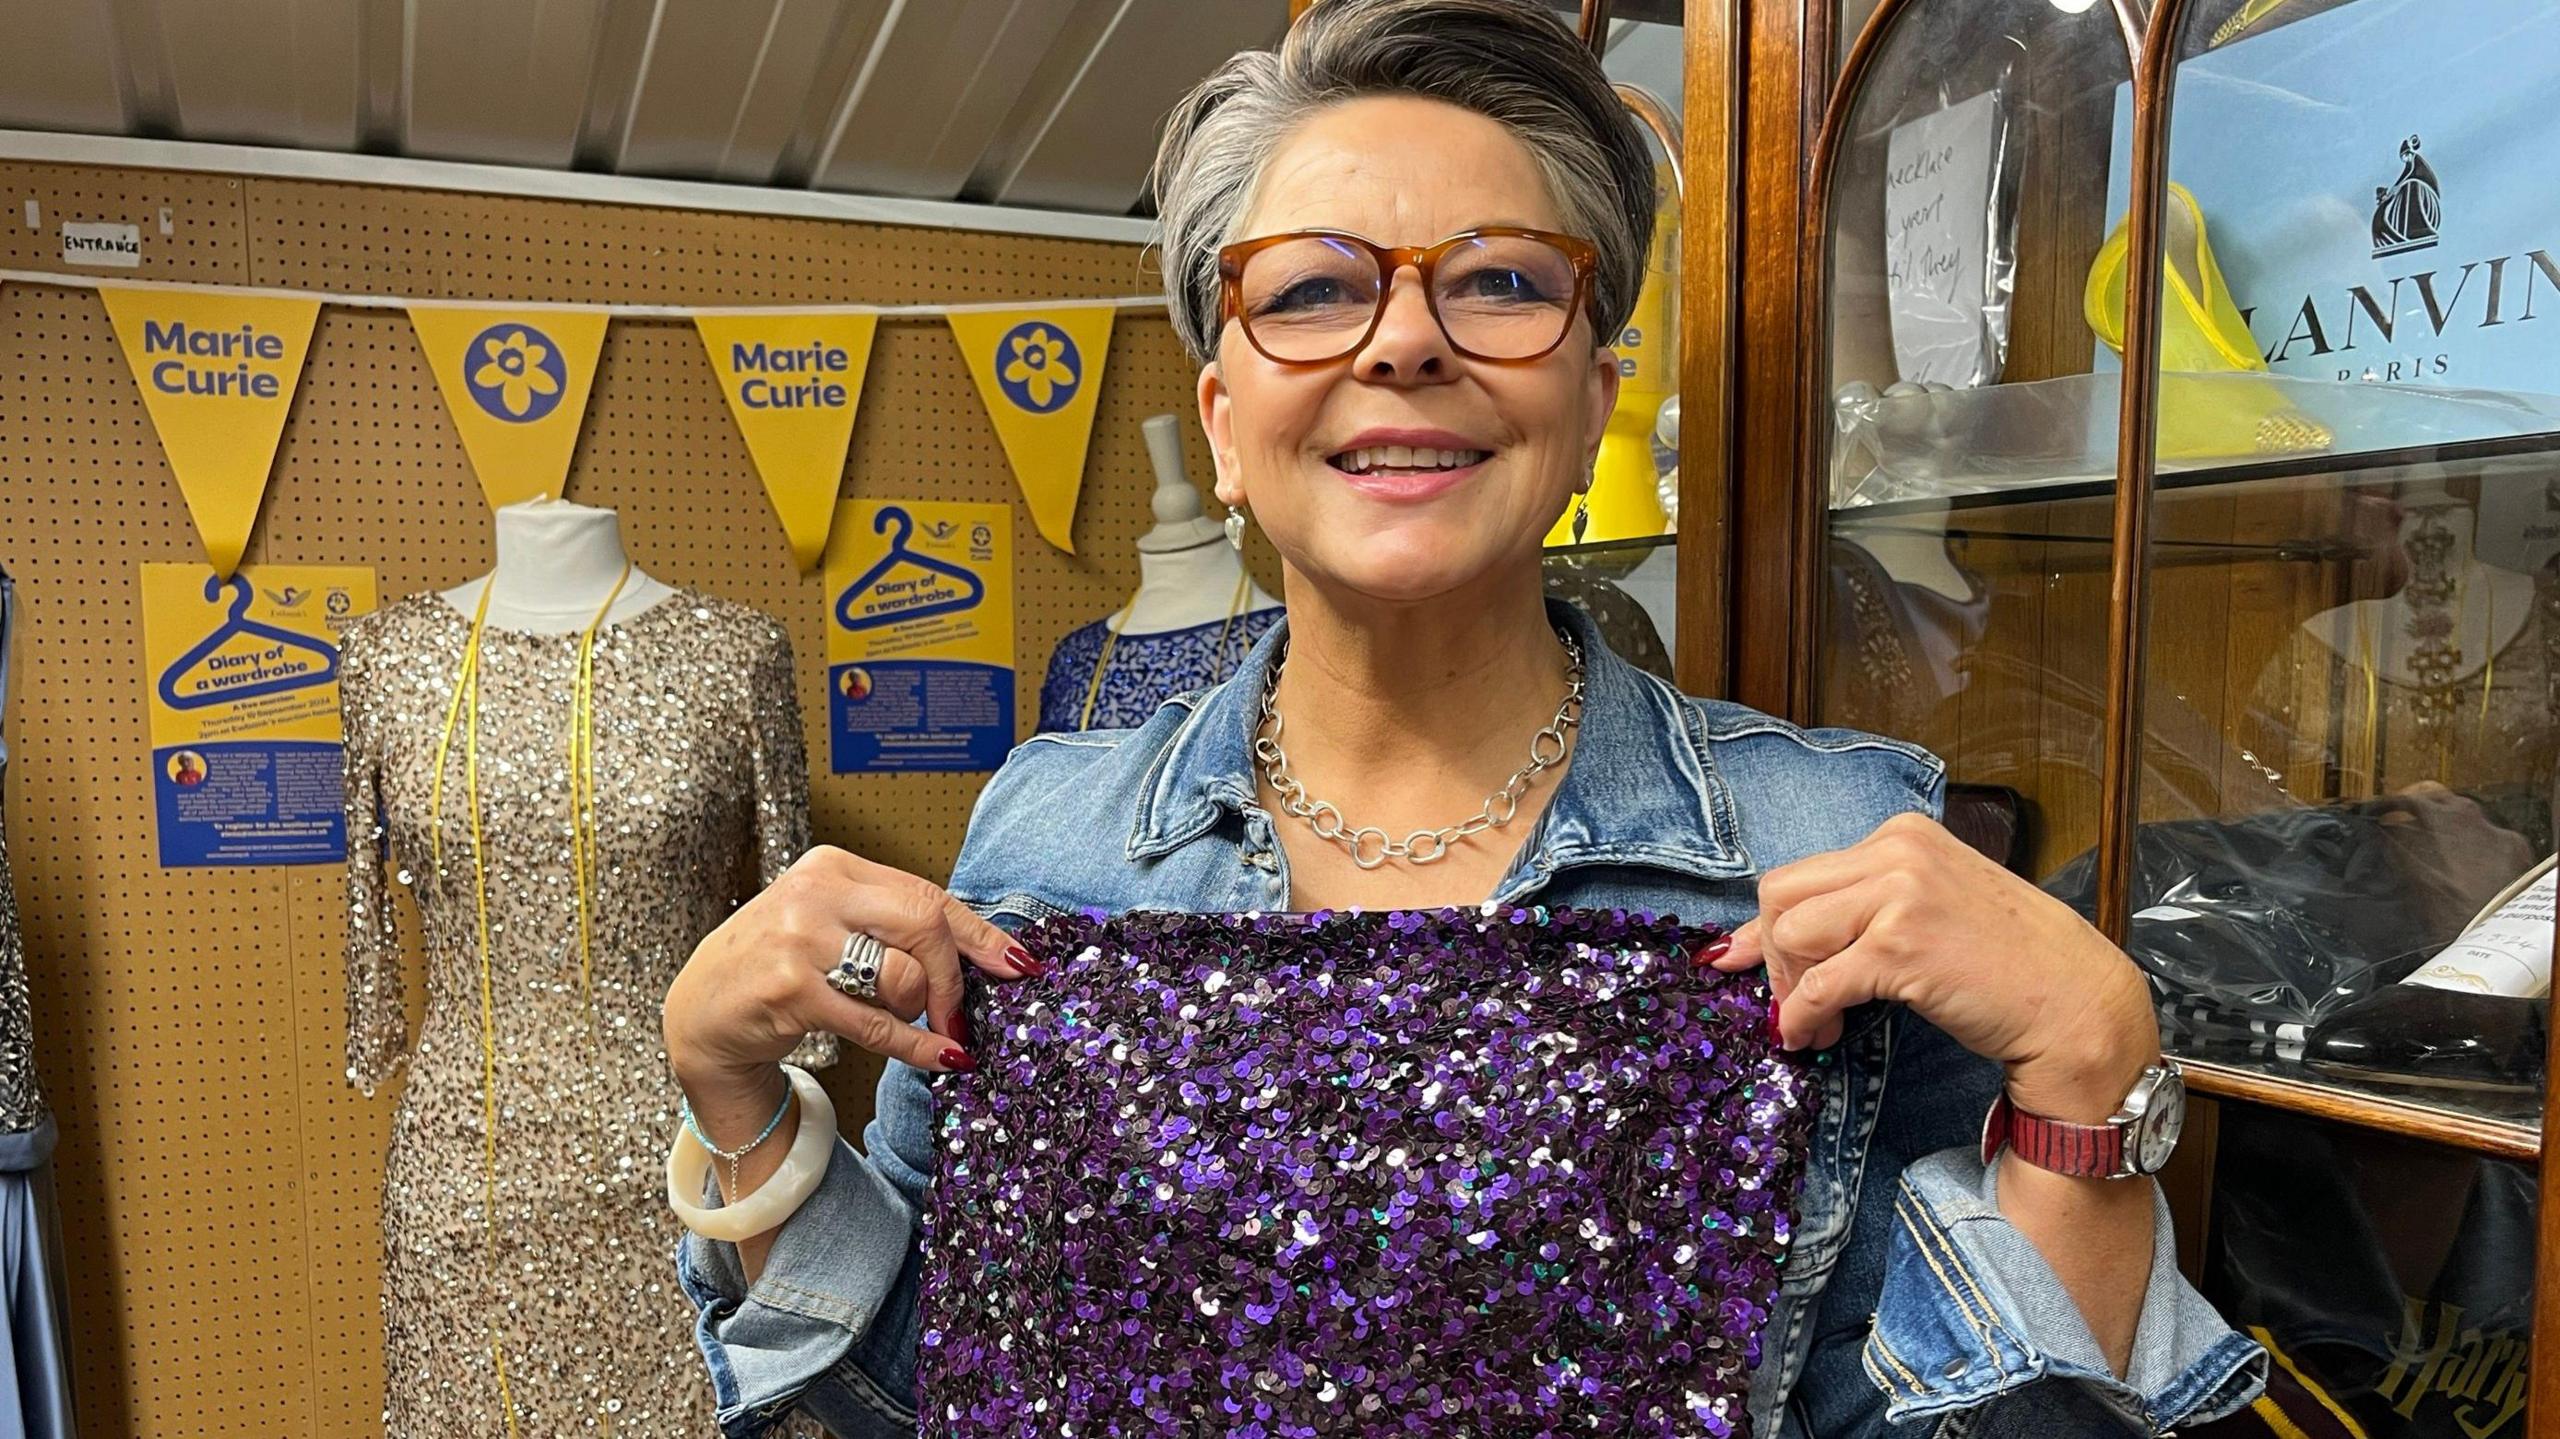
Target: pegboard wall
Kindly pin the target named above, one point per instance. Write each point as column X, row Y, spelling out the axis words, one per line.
column 219, row 1181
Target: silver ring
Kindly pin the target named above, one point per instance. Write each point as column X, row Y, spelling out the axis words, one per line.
column 857, row 971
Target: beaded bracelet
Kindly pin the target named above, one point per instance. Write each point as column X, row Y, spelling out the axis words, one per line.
column 781, row 1194
column 732, row 1156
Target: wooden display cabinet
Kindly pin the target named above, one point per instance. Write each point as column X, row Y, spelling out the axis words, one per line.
column 2254, row 655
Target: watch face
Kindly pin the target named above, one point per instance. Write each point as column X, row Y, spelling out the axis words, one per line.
column 2155, row 1134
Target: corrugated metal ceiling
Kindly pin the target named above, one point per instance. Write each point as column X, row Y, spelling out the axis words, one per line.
column 1049, row 104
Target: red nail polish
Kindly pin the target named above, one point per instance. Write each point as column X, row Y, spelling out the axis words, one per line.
column 958, row 1061
column 1777, row 1036
column 960, row 1027
column 1714, row 949
column 1021, row 959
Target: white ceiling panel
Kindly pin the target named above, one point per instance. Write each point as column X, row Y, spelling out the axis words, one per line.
column 265, row 72
column 935, row 91
column 497, row 80
column 1089, row 149
column 1043, row 104
column 58, row 67
column 726, row 82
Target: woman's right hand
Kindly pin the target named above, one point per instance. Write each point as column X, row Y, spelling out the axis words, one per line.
column 756, row 986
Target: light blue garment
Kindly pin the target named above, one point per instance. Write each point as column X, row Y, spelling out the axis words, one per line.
column 1907, row 1296
column 35, row 1384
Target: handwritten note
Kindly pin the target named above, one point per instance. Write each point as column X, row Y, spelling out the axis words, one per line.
column 1937, row 240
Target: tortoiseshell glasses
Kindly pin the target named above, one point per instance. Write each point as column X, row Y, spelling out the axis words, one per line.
column 1311, row 297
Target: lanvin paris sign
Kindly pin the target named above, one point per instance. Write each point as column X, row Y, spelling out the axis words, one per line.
column 2374, row 186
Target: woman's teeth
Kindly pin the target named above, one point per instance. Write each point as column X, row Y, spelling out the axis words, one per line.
column 1409, row 458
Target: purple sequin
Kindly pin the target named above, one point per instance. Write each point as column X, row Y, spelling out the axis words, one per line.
column 1458, row 1174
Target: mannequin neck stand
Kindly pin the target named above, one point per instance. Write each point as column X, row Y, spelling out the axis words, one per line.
column 2485, row 606
column 1178, row 589
column 557, row 562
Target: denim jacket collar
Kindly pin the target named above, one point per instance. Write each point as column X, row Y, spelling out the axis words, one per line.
column 1642, row 788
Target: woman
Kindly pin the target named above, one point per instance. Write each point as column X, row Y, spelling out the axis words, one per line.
column 1406, row 443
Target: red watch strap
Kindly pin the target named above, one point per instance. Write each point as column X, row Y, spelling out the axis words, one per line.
column 2087, row 1151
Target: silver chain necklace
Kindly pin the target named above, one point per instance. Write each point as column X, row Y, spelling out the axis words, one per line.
column 1370, row 846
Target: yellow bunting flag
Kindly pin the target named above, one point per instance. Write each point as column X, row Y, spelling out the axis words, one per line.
column 217, row 374
column 516, row 382
column 1040, row 373
column 793, row 382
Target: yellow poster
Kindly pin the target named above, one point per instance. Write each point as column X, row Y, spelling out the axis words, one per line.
column 793, row 382
column 919, row 636
column 1040, row 373
column 516, row 383
column 243, row 695
column 217, row 374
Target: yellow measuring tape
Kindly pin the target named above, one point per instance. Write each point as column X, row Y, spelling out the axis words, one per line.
column 466, row 694
column 582, row 800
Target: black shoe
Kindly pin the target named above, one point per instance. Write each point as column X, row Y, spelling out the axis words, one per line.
column 2418, row 1034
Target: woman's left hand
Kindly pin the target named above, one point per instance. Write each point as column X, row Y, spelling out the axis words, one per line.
column 1914, row 915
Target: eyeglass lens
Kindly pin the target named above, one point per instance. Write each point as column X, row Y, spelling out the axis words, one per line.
column 1502, row 297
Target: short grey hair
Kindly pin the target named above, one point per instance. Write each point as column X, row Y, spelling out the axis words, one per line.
column 1511, row 61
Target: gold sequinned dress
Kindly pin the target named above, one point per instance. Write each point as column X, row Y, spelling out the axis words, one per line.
column 701, row 797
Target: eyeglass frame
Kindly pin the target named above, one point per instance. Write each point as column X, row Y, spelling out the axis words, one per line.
column 1581, row 254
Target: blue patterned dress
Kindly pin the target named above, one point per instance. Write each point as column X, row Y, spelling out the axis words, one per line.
column 1145, row 670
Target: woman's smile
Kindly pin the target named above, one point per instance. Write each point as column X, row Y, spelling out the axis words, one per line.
column 1404, row 466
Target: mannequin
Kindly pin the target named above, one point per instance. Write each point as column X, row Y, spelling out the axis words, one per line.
column 1197, row 611
column 568, row 811
column 556, row 563
column 2447, row 679
column 1187, row 572
column 2488, row 606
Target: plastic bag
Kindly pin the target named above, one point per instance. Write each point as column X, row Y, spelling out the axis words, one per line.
column 2266, row 921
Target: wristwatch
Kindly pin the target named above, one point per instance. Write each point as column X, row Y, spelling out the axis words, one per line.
column 2136, row 1140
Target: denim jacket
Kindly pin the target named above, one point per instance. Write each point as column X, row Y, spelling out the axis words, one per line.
column 1908, row 1299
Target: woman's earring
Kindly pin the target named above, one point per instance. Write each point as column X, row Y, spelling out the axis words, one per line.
column 1235, row 528
column 1581, row 513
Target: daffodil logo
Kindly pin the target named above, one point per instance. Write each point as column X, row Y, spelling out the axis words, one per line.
column 516, row 374
column 1037, row 367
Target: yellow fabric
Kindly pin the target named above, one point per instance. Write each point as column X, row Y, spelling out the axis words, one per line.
column 582, row 797
column 2201, row 334
column 1039, row 370
column 2243, row 21
column 1625, row 498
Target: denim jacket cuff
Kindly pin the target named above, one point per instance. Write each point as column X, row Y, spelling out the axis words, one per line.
column 767, row 1344
column 1971, row 1314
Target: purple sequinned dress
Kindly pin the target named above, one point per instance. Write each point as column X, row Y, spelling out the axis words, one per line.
column 1462, row 1173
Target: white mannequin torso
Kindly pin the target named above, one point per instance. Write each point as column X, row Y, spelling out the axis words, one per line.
column 556, row 563
column 1178, row 589
column 1187, row 572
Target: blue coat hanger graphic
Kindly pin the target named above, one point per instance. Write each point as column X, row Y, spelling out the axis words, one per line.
column 894, row 518
column 239, row 623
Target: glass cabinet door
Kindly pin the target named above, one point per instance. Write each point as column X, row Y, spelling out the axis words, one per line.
column 2341, row 884
column 2341, row 877
column 1964, row 580
column 2349, row 737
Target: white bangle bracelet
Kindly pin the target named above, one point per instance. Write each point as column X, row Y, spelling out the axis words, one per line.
column 781, row 1195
